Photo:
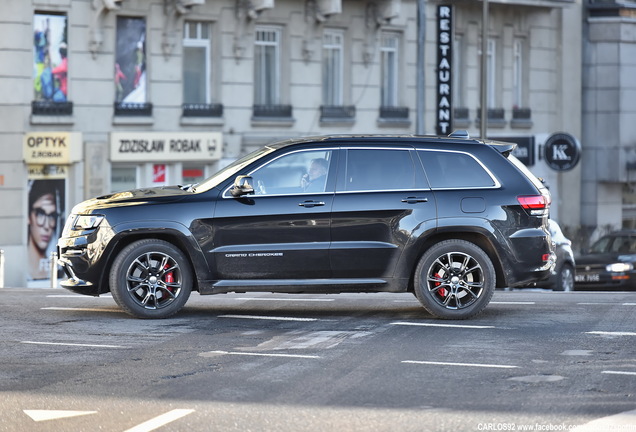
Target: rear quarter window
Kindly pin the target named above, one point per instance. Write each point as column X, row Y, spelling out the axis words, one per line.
column 452, row 170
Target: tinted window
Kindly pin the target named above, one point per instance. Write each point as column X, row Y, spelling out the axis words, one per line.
column 446, row 169
column 298, row 172
column 379, row 169
column 622, row 244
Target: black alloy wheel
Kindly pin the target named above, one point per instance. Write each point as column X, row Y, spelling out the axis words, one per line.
column 454, row 279
column 151, row 279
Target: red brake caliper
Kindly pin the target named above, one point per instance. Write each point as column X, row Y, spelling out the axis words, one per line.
column 441, row 291
column 168, row 277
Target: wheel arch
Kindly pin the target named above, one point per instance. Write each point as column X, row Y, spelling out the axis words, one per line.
column 173, row 235
column 481, row 239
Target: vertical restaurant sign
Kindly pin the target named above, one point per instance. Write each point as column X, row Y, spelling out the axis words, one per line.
column 444, row 108
column 52, row 148
column 165, row 146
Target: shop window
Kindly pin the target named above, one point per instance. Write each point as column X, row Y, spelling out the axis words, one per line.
column 192, row 174
column 123, row 178
column 131, row 97
column 50, row 65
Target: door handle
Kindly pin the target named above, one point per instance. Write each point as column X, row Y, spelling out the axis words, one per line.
column 414, row 200
column 309, row 204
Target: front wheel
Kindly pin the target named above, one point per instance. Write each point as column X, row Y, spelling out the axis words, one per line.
column 151, row 279
column 454, row 279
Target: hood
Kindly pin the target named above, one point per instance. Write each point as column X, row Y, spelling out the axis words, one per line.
column 133, row 197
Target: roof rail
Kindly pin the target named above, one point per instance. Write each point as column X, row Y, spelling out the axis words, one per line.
column 460, row 133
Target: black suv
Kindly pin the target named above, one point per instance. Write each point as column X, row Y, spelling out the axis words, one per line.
column 448, row 219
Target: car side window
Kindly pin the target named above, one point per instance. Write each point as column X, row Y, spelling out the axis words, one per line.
column 379, row 169
column 450, row 170
column 293, row 173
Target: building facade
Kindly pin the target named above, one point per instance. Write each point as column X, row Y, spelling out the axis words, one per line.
column 106, row 95
column 609, row 133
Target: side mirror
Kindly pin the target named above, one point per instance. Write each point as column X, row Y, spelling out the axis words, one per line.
column 243, row 185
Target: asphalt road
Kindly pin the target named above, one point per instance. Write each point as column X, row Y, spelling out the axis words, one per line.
column 534, row 360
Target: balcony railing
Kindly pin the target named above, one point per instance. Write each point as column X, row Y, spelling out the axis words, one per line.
column 394, row 113
column 50, row 108
column 337, row 112
column 202, row 110
column 272, row 111
column 133, row 109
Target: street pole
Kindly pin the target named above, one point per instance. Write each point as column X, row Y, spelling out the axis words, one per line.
column 421, row 82
column 484, row 70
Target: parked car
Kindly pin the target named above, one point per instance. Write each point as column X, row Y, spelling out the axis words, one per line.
column 609, row 264
column 562, row 276
column 447, row 219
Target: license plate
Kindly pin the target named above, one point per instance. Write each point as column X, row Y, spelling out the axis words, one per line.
column 590, row 277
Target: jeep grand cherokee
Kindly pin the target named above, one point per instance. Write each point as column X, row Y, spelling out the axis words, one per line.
column 446, row 218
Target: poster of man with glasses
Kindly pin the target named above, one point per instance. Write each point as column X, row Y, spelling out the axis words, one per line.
column 45, row 217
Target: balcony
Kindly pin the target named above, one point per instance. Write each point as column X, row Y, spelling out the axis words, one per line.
column 272, row 115
column 461, row 118
column 521, row 118
column 124, row 109
column 202, row 110
column 50, row 108
column 337, row 114
column 496, row 118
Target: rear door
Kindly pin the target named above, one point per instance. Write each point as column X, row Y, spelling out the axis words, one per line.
column 382, row 200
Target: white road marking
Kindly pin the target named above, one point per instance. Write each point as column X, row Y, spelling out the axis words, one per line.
column 459, row 364
column 273, row 318
column 72, row 344
column 79, row 309
column 442, row 325
column 284, row 299
column 78, row 296
column 619, row 373
column 513, row 302
column 161, row 420
column 629, row 304
column 608, row 333
column 44, row 415
column 254, row 354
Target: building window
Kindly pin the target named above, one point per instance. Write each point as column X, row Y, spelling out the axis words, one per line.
column 197, row 74
column 389, row 59
column 267, row 66
column 491, row 59
column 332, row 73
column 517, row 74
column 50, row 65
column 131, row 97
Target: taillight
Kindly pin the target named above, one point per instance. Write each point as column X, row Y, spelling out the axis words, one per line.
column 535, row 205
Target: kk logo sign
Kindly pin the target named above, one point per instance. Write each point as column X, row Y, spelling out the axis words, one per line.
column 562, row 151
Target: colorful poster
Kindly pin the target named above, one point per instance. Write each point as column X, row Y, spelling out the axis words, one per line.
column 130, row 61
column 44, row 226
column 50, row 58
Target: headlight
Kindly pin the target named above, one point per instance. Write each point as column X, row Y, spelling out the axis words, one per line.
column 619, row 267
column 85, row 222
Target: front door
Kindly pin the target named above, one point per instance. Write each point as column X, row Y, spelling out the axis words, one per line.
column 282, row 231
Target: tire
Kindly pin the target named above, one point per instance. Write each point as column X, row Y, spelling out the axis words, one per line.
column 151, row 279
column 564, row 280
column 454, row 279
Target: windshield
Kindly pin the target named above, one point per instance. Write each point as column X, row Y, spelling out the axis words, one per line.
column 615, row 244
column 231, row 170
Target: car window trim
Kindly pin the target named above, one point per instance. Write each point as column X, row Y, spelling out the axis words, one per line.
column 497, row 184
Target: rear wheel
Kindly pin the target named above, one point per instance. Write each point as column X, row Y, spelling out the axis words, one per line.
column 454, row 279
column 151, row 279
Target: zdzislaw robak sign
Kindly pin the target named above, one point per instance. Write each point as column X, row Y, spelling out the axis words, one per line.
column 165, row 146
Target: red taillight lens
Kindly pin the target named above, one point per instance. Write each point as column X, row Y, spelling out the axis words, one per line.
column 536, row 205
